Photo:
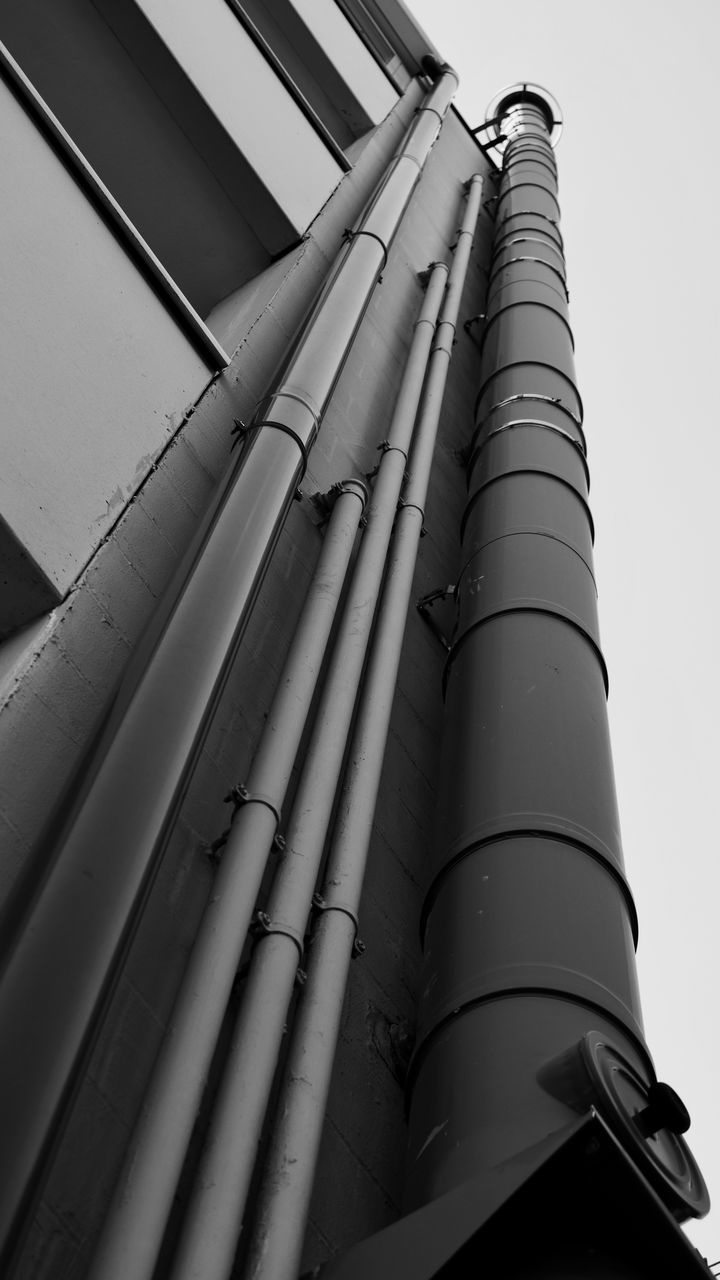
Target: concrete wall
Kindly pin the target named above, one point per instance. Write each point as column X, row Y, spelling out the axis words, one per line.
column 62, row 679
column 95, row 374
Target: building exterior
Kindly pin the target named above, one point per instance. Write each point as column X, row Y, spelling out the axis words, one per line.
column 251, row 247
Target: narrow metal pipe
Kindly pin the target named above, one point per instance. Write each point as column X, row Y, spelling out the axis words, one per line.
column 143, row 1198
column 284, row 1197
column 69, row 926
column 214, row 1217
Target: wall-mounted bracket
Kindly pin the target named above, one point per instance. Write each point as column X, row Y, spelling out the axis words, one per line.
column 428, row 602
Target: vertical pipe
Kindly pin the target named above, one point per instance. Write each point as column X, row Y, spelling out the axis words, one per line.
column 144, row 1194
column 68, row 929
column 528, row 923
column 214, row 1217
column 284, row 1196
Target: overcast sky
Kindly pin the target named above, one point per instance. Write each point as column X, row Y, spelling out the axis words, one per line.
column 637, row 81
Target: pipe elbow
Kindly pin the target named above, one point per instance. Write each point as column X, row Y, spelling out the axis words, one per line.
column 435, row 69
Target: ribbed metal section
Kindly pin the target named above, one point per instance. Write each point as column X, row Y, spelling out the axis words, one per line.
column 529, row 925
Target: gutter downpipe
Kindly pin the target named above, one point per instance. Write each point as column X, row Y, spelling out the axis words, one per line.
column 288, row 1171
column 136, row 1222
column 71, row 927
column 213, row 1219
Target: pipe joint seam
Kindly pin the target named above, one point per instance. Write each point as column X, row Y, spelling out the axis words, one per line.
column 423, row 320
column 528, row 531
column 439, row 343
column 528, row 258
column 536, row 423
column 582, row 847
column 535, row 364
column 526, row 302
column 433, row 111
column 349, row 235
column 407, row 155
column 503, row 611
column 533, row 395
column 512, row 993
column 535, row 529
column 534, row 213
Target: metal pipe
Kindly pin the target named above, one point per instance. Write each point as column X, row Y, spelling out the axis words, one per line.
column 214, row 1216
column 71, row 921
column 144, row 1194
column 530, row 1010
column 284, row 1197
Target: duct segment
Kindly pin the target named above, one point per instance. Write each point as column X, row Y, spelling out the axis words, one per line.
column 526, row 278
column 529, row 926
column 531, row 178
column 529, row 913
column 527, row 377
column 520, row 762
column 529, row 161
column 523, row 329
column 495, row 1107
column 538, row 242
column 128, row 798
column 527, row 498
column 525, row 247
column 520, row 571
column 529, row 222
column 531, row 407
column 531, row 445
column 513, row 199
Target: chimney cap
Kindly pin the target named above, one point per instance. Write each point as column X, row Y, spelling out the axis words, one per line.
column 513, row 94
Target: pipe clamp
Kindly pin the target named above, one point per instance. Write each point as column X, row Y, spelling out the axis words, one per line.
column 239, row 796
column 262, row 924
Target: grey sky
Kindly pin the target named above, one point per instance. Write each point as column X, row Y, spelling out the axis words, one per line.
column 640, row 197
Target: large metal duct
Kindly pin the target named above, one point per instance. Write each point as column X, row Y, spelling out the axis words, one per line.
column 529, row 1015
column 542, row 1147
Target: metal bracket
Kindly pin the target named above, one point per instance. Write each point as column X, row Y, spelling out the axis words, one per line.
column 239, row 795
column 262, row 924
column 385, row 446
column 463, row 456
column 319, row 904
column 425, row 604
column 424, row 276
column 239, row 432
column 324, row 502
column 468, row 324
column 213, row 851
column 349, row 235
column 402, row 503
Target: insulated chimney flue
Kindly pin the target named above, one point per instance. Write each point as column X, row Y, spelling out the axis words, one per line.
column 529, row 1015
